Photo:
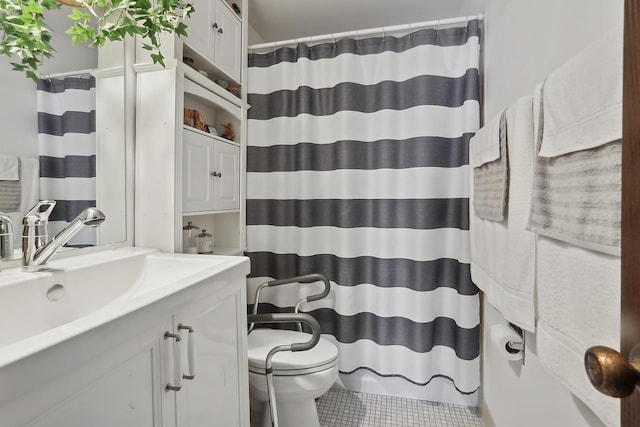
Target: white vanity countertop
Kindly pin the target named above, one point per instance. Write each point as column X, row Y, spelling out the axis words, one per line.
column 82, row 292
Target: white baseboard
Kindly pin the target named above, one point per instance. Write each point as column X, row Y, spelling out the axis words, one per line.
column 486, row 415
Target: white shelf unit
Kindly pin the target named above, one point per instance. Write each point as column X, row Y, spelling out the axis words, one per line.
column 161, row 96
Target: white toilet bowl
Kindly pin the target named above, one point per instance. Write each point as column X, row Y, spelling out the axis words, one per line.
column 299, row 377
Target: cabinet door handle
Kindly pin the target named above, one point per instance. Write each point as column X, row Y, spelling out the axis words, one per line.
column 191, row 360
column 177, row 362
column 214, row 25
column 216, row 174
column 220, row 31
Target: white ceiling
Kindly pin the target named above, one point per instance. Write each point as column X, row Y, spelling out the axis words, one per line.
column 276, row 20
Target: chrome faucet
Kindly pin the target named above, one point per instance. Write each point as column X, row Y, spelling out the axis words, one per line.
column 36, row 250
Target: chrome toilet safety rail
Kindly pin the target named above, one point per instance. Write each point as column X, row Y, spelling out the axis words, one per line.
column 307, row 278
column 268, row 369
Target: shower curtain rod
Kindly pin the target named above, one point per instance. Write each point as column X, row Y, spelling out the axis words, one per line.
column 67, row 74
column 370, row 31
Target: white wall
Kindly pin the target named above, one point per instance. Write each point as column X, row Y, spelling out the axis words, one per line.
column 524, row 42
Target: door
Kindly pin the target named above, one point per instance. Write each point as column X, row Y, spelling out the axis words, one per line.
column 211, row 392
column 228, row 39
column 197, row 172
column 200, row 29
column 631, row 200
column 227, row 182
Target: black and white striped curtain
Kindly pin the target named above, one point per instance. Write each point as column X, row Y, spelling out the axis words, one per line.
column 358, row 169
column 67, row 148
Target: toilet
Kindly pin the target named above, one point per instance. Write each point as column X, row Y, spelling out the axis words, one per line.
column 299, row 377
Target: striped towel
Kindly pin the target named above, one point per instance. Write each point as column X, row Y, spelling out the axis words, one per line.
column 577, row 196
column 11, row 193
column 491, row 181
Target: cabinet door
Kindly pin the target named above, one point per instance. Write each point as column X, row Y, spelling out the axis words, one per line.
column 200, row 29
column 214, row 396
column 227, row 183
column 228, row 39
column 197, row 158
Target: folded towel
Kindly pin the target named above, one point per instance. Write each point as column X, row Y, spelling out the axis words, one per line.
column 577, row 196
column 484, row 147
column 10, row 193
column 9, row 168
column 578, row 295
column 583, row 99
column 503, row 254
column 491, row 179
column 29, row 195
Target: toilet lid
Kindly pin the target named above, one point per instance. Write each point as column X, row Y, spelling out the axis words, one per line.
column 261, row 341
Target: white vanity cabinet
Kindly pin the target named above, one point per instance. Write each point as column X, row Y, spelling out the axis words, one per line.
column 214, row 391
column 215, row 33
column 211, row 175
column 117, row 373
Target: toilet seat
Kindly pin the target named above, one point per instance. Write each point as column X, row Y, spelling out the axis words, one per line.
column 260, row 341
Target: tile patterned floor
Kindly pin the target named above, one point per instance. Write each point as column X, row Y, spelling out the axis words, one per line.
column 341, row 408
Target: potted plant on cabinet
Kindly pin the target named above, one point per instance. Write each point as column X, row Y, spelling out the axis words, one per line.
column 26, row 36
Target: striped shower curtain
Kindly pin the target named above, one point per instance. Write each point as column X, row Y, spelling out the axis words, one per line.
column 357, row 169
column 67, row 149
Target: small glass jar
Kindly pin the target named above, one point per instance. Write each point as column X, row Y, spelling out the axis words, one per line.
column 189, row 245
column 204, row 242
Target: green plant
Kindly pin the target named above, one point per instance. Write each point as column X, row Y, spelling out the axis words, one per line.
column 25, row 34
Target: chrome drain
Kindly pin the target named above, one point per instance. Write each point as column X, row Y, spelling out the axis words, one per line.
column 55, row 292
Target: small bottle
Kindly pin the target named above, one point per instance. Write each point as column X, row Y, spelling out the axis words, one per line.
column 189, row 245
column 204, row 241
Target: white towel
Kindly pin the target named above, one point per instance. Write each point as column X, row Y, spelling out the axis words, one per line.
column 583, row 99
column 9, row 168
column 484, row 147
column 30, row 194
column 490, row 179
column 503, row 254
column 578, row 294
column 577, row 178
column 578, row 300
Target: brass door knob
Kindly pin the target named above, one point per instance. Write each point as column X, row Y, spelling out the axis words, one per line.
column 610, row 373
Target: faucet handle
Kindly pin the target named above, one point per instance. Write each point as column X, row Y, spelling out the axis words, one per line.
column 37, row 215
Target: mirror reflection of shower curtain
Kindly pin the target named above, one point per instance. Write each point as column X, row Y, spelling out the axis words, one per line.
column 358, row 169
column 67, row 149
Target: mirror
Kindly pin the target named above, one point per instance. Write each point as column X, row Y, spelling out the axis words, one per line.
column 77, row 157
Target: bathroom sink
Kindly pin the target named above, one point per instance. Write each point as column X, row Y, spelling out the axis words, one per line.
column 82, row 292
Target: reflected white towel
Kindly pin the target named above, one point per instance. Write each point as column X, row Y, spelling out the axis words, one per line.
column 503, row 254
column 583, row 99
column 30, row 194
column 9, row 168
